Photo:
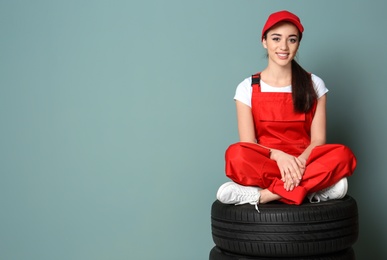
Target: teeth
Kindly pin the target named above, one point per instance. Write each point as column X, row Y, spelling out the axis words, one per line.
column 282, row 55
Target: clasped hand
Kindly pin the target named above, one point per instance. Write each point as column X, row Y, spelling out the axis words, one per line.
column 292, row 169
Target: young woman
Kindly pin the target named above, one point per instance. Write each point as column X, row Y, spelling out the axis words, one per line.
column 281, row 113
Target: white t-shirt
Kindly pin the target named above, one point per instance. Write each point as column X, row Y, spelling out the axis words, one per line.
column 244, row 90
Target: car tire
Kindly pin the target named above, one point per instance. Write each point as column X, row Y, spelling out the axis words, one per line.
column 282, row 230
column 218, row 254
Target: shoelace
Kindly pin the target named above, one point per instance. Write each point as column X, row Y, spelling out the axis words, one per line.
column 255, row 203
column 244, row 197
column 256, row 206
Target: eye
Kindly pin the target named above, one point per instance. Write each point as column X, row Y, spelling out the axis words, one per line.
column 293, row 40
column 276, row 39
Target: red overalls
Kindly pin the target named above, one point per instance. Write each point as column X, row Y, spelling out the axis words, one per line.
column 277, row 126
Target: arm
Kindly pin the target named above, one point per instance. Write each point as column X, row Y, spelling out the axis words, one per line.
column 245, row 123
column 246, row 128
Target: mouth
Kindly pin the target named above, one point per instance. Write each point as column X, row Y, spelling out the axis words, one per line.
column 283, row 56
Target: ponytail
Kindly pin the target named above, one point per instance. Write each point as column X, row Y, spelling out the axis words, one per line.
column 303, row 92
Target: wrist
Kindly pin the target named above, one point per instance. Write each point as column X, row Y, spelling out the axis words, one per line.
column 302, row 159
column 273, row 154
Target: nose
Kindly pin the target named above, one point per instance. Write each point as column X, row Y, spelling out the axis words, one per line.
column 284, row 45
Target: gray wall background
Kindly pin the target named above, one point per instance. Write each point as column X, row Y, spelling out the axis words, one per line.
column 115, row 116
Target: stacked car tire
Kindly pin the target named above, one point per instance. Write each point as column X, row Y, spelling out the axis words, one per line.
column 311, row 231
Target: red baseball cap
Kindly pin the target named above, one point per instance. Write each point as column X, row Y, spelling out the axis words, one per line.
column 282, row 16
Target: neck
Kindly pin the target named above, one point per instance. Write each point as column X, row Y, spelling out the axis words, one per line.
column 277, row 76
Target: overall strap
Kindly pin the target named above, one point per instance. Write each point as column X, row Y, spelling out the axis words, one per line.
column 255, row 82
column 255, row 79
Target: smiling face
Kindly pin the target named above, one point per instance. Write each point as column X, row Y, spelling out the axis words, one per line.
column 282, row 42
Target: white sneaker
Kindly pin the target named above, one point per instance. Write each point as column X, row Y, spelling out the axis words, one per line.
column 233, row 193
column 334, row 192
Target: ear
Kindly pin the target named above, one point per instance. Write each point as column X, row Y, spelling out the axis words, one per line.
column 264, row 43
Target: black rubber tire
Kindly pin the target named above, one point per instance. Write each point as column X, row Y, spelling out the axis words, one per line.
column 217, row 254
column 282, row 230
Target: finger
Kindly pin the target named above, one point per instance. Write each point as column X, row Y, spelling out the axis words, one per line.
column 302, row 167
column 286, row 186
column 289, row 186
column 294, row 174
column 290, row 180
column 283, row 175
column 297, row 170
column 290, row 174
column 296, row 181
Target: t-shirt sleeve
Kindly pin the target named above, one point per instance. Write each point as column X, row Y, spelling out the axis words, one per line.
column 319, row 86
column 244, row 91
